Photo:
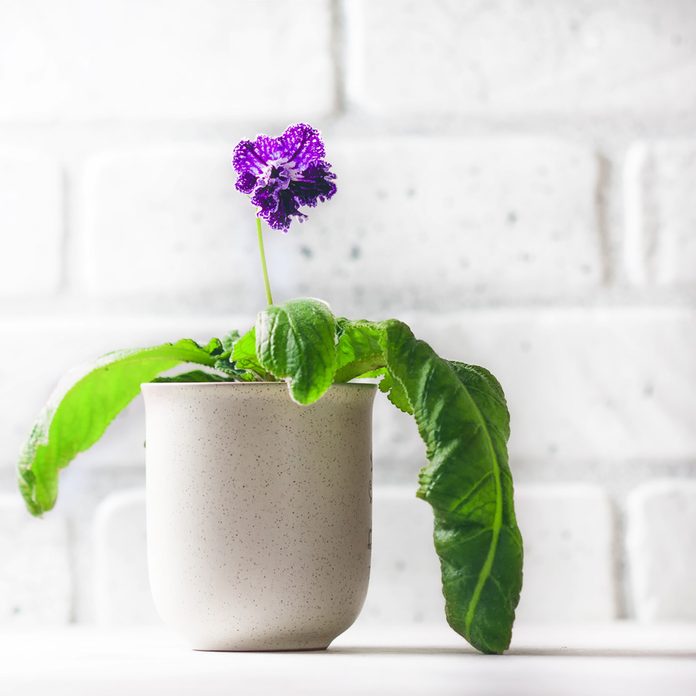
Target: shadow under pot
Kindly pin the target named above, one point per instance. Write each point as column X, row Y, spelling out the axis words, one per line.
column 259, row 512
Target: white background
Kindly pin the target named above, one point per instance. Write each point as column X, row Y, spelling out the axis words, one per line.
column 516, row 180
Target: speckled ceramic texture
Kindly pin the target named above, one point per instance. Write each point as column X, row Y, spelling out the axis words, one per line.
column 258, row 512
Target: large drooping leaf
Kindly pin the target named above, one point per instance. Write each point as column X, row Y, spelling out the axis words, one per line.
column 79, row 412
column 297, row 341
column 463, row 420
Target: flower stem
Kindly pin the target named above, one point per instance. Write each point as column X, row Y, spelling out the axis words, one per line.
column 266, row 282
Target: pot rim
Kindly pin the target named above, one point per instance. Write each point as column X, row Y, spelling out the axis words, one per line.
column 282, row 384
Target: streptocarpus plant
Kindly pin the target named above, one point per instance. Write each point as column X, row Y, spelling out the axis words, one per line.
column 459, row 409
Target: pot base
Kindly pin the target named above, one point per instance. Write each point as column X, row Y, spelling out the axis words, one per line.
column 264, row 650
column 264, row 641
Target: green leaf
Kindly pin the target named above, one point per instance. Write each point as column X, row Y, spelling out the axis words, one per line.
column 462, row 418
column 225, row 363
column 244, row 356
column 230, row 339
column 297, row 341
column 77, row 416
column 395, row 393
column 233, row 373
column 360, row 353
column 215, row 347
column 359, row 350
column 461, row 414
column 193, row 376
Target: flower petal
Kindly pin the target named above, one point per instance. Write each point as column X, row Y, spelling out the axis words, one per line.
column 269, row 149
column 301, row 144
column 314, row 184
column 277, row 207
column 246, row 158
column 246, row 182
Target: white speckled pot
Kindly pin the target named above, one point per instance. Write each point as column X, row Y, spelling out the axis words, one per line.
column 258, row 512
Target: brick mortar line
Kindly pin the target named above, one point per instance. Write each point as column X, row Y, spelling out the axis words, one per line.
column 602, row 203
column 68, row 305
column 618, row 127
column 338, row 55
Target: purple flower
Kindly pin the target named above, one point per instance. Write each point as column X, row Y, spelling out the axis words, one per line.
column 281, row 174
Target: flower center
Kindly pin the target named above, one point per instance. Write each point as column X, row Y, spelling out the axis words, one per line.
column 279, row 173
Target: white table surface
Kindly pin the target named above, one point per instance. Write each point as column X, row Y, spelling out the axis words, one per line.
column 619, row 658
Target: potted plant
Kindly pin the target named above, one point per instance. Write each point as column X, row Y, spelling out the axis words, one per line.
column 259, row 464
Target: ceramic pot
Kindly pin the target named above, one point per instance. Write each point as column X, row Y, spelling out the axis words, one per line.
column 258, row 512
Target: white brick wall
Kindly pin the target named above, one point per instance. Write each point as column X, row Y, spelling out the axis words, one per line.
column 181, row 215
column 605, row 385
column 468, row 218
column 521, row 57
column 121, row 585
column 629, row 372
column 534, row 232
column 35, row 573
column 72, row 345
column 661, row 212
column 142, row 59
column 515, row 180
column 569, row 573
column 662, row 550
column 569, row 563
column 31, row 223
